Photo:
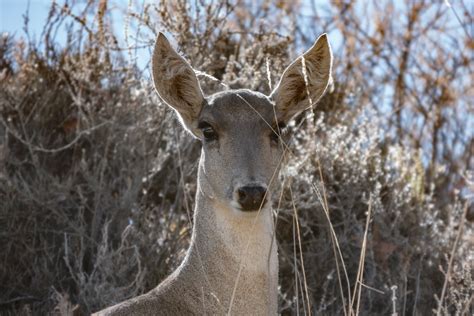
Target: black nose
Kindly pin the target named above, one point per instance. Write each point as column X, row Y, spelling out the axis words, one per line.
column 251, row 197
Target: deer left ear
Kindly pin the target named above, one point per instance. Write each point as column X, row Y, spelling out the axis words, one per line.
column 304, row 82
column 176, row 83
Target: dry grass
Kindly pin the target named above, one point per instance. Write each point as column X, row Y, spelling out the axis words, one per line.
column 97, row 181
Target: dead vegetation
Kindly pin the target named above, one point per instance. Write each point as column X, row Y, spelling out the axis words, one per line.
column 97, row 179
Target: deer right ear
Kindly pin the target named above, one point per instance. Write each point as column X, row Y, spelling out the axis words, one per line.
column 176, row 83
column 304, row 81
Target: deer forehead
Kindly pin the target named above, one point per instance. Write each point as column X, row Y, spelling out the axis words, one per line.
column 237, row 110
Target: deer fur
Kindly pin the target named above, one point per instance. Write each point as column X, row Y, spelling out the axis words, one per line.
column 231, row 266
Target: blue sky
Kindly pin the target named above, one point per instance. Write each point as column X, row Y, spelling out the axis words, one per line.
column 12, row 12
column 12, row 21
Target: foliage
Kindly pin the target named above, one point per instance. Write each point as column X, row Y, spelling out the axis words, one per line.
column 97, row 181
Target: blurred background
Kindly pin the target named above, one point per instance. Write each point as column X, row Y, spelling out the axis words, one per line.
column 94, row 203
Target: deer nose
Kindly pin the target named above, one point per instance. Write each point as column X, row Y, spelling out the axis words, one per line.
column 251, row 198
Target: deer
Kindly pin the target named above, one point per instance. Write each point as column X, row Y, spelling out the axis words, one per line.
column 231, row 265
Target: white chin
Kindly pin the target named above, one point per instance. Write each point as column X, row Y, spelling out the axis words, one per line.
column 237, row 209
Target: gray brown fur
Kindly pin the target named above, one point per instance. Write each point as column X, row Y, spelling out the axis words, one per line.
column 225, row 239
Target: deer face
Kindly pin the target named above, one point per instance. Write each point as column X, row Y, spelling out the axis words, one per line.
column 240, row 130
column 241, row 148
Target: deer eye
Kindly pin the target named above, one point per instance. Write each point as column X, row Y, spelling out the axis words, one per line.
column 275, row 137
column 207, row 131
column 277, row 132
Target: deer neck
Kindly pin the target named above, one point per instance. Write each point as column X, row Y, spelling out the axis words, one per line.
column 229, row 247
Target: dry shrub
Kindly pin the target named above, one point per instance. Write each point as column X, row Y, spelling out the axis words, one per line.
column 97, row 181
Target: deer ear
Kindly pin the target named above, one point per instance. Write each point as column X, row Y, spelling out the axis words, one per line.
column 304, row 81
column 176, row 83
